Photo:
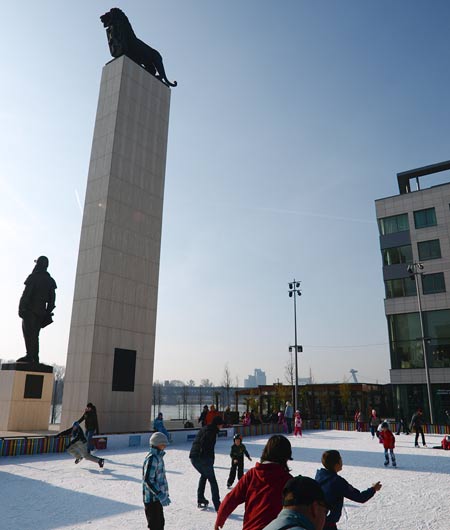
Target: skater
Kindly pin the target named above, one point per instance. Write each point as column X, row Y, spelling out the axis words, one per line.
column 155, row 489
column 304, row 506
column 416, row 424
column 288, row 415
column 387, row 438
column 246, row 420
column 336, row 487
column 202, row 458
column 78, row 447
column 298, row 422
column 211, row 414
column 282, row 421
column 90, row 424
column 202, row 418
column 358, row 420
column 401, row 423
column 374, row 423
column 158, row 425
column 261, row 487
column 237, row 453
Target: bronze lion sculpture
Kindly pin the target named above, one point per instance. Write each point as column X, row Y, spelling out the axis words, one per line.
column 123, row 41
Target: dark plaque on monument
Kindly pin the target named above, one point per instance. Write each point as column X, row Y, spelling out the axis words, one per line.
column 33, row 386
column 124, row 370
column 123, row 41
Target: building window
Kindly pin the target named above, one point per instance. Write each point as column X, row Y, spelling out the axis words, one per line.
column 400, row 287
column 405, row 342
column 437, row 331
column 424, row 218
column 395, row 255
column 429, row 249
column 393, row 224
column 433, row 283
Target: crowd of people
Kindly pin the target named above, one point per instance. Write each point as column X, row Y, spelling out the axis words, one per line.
column 273, row 498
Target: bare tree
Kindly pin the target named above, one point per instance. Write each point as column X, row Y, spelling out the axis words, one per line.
column 227, row 382
column 289, row 370
column 206, row 383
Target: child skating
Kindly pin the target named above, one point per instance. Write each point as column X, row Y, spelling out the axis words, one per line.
column 154, row 483
column 387, row 438
column 237, row 453
column 298, row 422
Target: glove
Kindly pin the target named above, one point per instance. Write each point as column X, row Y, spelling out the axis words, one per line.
column 163, row 499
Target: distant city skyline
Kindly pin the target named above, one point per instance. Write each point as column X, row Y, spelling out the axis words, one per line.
column 283, row 132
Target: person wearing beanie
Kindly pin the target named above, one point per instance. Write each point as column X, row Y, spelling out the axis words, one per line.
column 155, row 489
column 202, row 458
column 91, row 424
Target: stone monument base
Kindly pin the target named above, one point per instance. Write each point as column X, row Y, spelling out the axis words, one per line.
column 25, row 396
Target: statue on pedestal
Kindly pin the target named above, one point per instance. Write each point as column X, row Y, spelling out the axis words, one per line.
column 35, row 308
column 123, row 41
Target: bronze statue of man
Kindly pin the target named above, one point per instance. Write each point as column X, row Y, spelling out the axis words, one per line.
column 35, row 307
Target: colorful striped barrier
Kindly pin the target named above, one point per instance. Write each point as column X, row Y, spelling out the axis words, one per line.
column 33, row 445
column 258, row 430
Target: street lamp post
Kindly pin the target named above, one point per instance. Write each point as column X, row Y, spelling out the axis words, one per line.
column 416, row 270
column 294, row 291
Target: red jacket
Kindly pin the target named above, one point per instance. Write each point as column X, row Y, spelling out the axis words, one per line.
column 261, row 490
column 387, row 438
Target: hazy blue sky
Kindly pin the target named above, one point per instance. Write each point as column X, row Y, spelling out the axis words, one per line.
column 290, row 119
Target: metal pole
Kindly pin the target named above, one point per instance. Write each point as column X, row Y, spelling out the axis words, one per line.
column 296, row 350
column 424, row 346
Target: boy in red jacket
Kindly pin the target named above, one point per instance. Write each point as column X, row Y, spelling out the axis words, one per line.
column 388, row 440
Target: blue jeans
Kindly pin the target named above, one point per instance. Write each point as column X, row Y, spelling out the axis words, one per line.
column 205, row 466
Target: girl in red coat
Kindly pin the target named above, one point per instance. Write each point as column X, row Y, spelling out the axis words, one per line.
column 297, row 423
column 387, row 438
column 261, row 487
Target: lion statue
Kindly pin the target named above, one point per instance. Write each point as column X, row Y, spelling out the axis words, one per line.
column 123, row 41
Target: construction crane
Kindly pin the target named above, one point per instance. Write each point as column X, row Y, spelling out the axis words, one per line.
column 354, row 372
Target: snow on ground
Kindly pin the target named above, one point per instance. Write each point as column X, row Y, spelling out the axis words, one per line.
column 46, row 492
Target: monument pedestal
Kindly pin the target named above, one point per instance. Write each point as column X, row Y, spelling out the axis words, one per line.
column 25, row 396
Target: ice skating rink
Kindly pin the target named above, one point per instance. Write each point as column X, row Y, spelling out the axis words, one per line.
column 44, row 492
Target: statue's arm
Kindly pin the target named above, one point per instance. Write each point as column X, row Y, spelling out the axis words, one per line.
column 24, row 302
column 51, row 298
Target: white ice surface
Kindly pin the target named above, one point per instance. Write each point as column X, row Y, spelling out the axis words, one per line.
column 44, row 492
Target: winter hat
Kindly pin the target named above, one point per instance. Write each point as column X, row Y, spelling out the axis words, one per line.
column 158, row 438
column 385, row 425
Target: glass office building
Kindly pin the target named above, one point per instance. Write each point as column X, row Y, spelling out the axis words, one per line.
column 414, row 229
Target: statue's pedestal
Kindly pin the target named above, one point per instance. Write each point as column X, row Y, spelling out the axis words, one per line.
column 25, row 396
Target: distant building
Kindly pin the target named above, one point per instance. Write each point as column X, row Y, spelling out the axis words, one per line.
column 415, row 231
column 257, row 379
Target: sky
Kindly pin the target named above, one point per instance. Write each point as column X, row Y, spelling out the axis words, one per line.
column 413, row 495
column 289, row 120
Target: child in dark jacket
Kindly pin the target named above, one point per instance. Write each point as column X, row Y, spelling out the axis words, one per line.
column 237, row 453
column 78, row 446
column 336, row 487
column 387, row 438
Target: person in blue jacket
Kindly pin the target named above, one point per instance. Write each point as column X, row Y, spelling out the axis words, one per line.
column 158, row 425
column 336, row 487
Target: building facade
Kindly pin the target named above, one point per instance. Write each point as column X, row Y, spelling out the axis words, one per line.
column 414, row 229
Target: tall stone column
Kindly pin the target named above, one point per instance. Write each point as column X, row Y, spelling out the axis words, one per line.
column 112, row 333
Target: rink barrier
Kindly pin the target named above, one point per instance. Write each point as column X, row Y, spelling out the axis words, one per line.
column 31, row 445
